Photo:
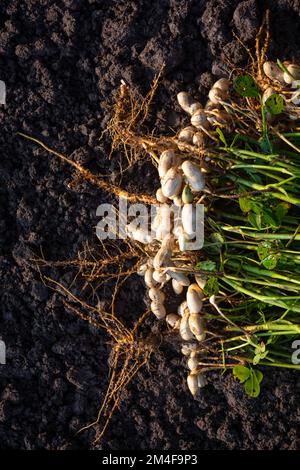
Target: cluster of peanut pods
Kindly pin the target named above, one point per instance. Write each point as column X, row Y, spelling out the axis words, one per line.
column 181, row 180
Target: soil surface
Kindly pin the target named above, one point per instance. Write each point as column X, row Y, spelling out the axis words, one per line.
column 62, row 62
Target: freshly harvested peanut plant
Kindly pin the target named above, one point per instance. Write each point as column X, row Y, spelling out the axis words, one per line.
column 238, row 294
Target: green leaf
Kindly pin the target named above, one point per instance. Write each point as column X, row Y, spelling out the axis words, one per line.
column 246, row 86
column 263, row 249
column 241, row 373
column 221, row 136
column 255, row 220
column 251, row 378
column 281, row 210
column 270, row 261
column 252, row 387
column 256, row 207
column 211, row 287
column 269, row 219
column 275, row 104
column 252, row 384
column 206, row 266
column 245, row 204
column 259, row 375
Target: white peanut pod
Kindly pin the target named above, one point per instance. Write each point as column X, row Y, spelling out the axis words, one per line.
column 178, row 229
column 189, row 348
column 201, row 337
column 179, row 277
column 193, row 175
column 199, row 139
column 157, row 219
column 177, row 201
column 192, row 362
column 186, row 135
column 188, row 217
column 199, row 120
column 161, row 232
column 177, row 287
column 164, row 254
column 295, row 84
column 148, row 276
column 185, row 244
column 192, row 382
column 156, row 295
column 220, row 117
column 197, row 326
column 143, row 236
column 160, row 277
column 142, row 269
column 194, row 298
column 162, row 222
column 223, row 84
column 184, row 328
column 295, row 98
column 201, row 381
column 149, row 262
column 173, row 320
column 187, row 103
column 201, row 281
column 160, row 197
column 183, row 241
column 273, row 71
column 183, row 308
column 167, row 160
column 294, row 73
column 210, row 106
column 171, row 183
column 158, row 310
column 139, row 234
column 216, row 95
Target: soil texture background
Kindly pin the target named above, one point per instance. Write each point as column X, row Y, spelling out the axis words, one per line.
column 62, row 61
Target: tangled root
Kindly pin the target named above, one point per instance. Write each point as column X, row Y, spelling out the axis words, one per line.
column 93, row 179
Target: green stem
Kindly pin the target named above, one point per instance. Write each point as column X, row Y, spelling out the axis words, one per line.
column 263, row 283
column 277, row 195
column 264, row 167
column 263, row 298
column 262, row 236
column 272, row 325
column 273, row 364
column 262, row 272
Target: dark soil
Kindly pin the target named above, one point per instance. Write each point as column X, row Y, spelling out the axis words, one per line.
column 62, row 61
